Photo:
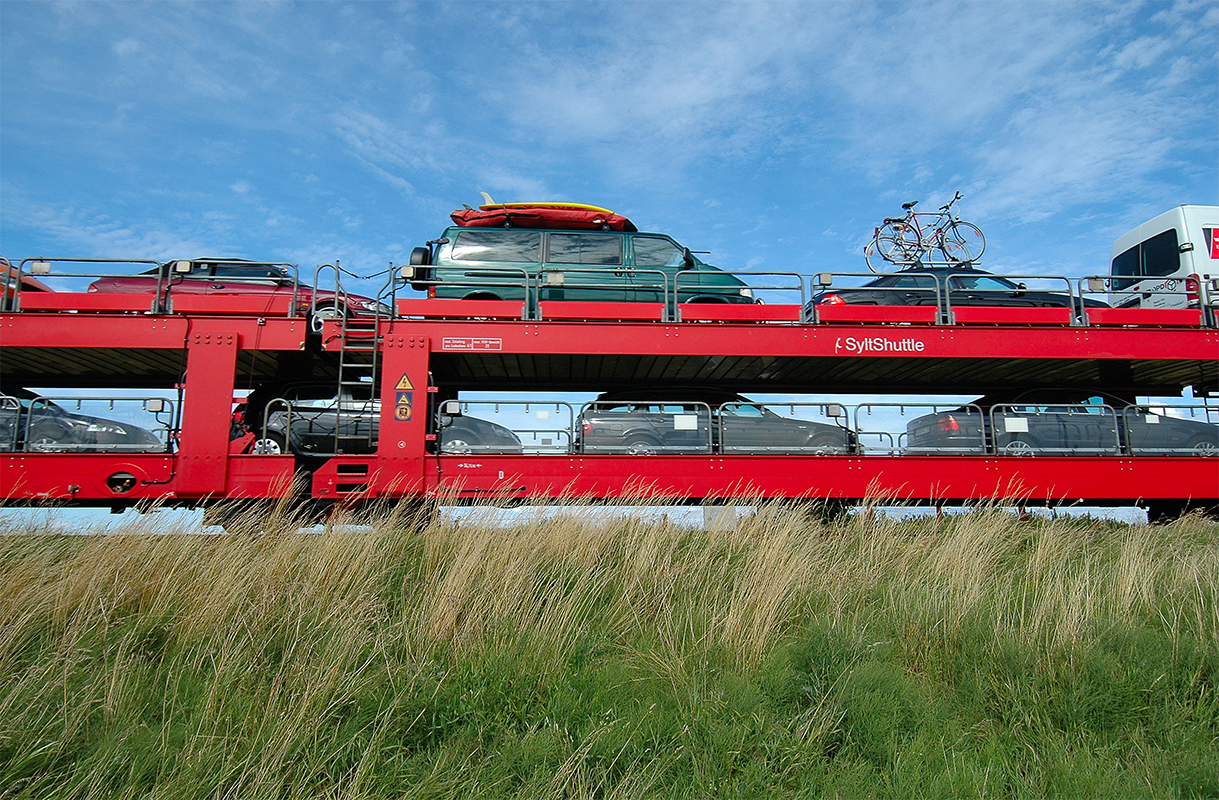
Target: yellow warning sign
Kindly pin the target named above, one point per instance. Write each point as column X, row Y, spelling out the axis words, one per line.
column 404, row 383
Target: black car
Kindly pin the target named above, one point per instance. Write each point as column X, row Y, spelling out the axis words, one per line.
column 958, row 286
column 32, row 424
column 699, row 420
column 1062, row 422
column 307, row 419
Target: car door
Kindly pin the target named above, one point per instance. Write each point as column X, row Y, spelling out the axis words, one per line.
column 657, row 260
column 314, row 416
column 987, row 290
column 906, row 290
column 197, row 281
column 253, row 279
column 591, row 265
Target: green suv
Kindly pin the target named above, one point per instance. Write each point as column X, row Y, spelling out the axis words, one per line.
column 542, row 264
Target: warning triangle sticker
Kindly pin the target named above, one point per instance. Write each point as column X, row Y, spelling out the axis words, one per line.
column 404, row 383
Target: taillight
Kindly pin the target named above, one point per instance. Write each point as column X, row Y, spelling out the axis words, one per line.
column 431, row 292
column 587, row 427
column 1193, row 291
column 832, row 300
column 948, row 424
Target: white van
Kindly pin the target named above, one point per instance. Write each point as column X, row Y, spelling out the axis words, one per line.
column 1161, row 263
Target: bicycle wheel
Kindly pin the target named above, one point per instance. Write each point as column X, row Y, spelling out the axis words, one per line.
column 962, row 243
column 898, row 243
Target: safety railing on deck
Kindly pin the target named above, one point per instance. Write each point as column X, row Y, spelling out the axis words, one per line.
column 909, row 297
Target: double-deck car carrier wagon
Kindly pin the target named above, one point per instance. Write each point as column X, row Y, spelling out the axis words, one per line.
column 401, row 372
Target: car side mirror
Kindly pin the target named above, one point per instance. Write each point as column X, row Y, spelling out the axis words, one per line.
column 687, row 259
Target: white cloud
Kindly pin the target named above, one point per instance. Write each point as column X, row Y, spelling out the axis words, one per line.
column 127, row 47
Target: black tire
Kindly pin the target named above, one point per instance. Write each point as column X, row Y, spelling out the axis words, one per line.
column 1203, row 446
column 273, row 444
column 456, row 447
column 962, row 243
column 320, row 314
column 482, row 296
column 641, row 446
column 828, row 444
column 1020, row 446
column 47, row 439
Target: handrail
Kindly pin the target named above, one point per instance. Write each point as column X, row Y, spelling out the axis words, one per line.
column 668, row 287
column 969, row 429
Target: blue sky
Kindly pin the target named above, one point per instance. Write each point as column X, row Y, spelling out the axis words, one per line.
column 774, row 136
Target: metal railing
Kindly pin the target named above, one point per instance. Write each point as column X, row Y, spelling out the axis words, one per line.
column 553, row 283
column 58, row 424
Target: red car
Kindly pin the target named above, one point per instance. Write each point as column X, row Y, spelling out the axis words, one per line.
column 239, row 277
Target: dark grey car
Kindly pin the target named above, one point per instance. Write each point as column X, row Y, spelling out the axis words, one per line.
column 36, row 425
column 1062, row 422
column 958, row 286
column 307, row 419
column 699, row 420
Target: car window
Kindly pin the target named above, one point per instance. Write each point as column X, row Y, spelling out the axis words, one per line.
column 744, row 411
column 914, row 282
column 244, row 271
column 1161, row 255
column 594, row 249
column 983, row 282
column 313, row 396
column 497, row 246
column 653, row 251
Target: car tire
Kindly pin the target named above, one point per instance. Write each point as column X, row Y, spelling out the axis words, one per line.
column 642, row 446
column 1203, row 446
column 46, row 439
column 482, row 296
column 320, row 315
column 825, row 444
column 456, row 447
column 272, row 444
column 1021, row 447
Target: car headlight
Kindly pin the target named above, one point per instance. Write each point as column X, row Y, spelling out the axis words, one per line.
column 96, row 428
column 374, row 306
column 747, row 292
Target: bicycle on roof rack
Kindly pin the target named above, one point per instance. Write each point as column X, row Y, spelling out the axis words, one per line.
column 909, row 241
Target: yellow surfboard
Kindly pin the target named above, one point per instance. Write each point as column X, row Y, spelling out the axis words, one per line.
column 572, row 206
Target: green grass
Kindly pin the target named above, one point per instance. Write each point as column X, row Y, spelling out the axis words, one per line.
column 588, row 656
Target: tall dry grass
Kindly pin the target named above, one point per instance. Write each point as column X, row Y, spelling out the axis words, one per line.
column 279, row 664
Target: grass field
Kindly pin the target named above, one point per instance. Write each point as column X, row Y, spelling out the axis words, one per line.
column 593, row 656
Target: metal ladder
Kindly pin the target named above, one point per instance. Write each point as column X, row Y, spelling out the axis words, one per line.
column 358, row 373
column 359, row 377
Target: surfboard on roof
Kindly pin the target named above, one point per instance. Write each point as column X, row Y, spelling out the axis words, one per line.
column 562, row 216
